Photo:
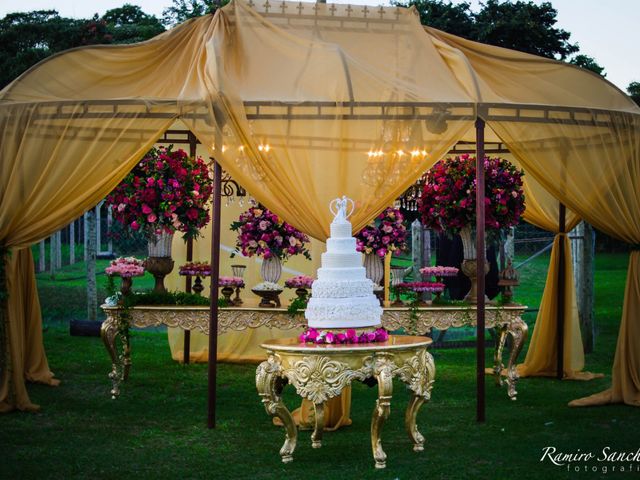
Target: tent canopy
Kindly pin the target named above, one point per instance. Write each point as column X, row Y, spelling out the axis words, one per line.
column 311, row 101
column 304, row 102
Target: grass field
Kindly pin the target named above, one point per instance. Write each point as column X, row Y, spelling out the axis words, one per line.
column 156, row 429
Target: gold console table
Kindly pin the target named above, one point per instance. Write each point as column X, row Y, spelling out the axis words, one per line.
column 507, row 320
column 321, row 372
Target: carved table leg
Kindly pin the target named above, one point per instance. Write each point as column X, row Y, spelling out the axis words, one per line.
column 316, row 436
column 498, row 366
column 383, row 371
column 126, row 355
column 270, row 384
column 415, row 402
column 109, row 332
column 519, row 331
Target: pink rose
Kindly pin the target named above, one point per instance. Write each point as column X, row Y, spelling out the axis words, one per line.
column 151, row 217
column 135, row 225
column 329, row 337
column 146, row 209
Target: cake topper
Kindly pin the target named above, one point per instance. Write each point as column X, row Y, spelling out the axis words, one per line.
column 339, row 207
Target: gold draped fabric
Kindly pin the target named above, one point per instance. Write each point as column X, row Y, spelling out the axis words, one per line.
column 26, row 359
column 543, row 211
column 302, row 103
column 625, row 379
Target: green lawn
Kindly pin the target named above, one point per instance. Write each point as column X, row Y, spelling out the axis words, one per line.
column 156, row 429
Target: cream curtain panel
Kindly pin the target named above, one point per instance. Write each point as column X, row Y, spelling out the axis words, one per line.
column 301, row 103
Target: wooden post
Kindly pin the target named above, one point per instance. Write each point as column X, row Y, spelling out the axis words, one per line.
column 99, row 227
column 426, row 256
column 85, row 236
column 52, row 256
column 72, row 243
column 387, row 279
column 92, row 292
column 416, row 249
column 213, row 305
column 560, row 295
column 480, row 259
column 587, row 324
column 186, row 347
column 58, row 236
column 42, row 264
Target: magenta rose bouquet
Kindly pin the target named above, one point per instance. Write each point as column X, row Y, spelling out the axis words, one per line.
column 299, row 281
column 125, row 267
column 419, row 287
column 262, row 233
column 231, row 282
column 311, row 335
column 387, row 233
column 448, row 199
column 195, row 269
column 439, row 271
column 167, row 192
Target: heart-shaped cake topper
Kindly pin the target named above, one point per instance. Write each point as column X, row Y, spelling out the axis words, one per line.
column 341, row 208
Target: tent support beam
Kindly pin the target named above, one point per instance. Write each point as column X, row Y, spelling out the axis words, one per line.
column 186, row 348
column 213, row 305
column 480, row 259
column 560, row 292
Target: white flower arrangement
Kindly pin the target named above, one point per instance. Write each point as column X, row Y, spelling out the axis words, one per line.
column 268, row 286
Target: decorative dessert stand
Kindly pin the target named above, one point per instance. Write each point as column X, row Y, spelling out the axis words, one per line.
column 505, row 319
column 321, row 372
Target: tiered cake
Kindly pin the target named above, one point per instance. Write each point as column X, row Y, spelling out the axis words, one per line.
column 342, row 296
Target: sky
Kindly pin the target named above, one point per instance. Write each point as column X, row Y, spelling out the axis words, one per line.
column 604, row 30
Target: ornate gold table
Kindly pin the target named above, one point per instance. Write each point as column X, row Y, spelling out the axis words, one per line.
column 321, row 372
column 506, row 320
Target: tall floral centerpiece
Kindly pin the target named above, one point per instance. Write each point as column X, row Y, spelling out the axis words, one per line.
column 448, row 203
column 386, row 233
column 166, row 192
column 126, row 268
column 262, row 233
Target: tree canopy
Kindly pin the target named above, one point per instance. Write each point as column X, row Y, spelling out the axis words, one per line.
column 28, row 37
column 634, row 91
column 519, row 25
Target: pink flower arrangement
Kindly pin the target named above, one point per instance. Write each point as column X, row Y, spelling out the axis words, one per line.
column 299, row 281
column 387, row 233
column 439, row 271
column 231, row 282
column 432, row 287
column 125, row 267
column 260, row 232
column 448, row 200
column 166, row 192
column 311, row 335
column 195, row 269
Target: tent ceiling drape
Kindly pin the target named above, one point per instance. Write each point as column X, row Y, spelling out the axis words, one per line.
column 303, row 102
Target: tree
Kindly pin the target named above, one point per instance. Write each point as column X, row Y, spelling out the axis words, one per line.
column 182, row 10
column 455, row 19
column 520, row 25
column 523, row 26
column 634, row 91
column 26, row 38
column 29, row 37
column 129, row 24
column 585, row 61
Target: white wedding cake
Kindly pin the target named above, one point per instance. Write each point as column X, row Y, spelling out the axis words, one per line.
column 342, row 296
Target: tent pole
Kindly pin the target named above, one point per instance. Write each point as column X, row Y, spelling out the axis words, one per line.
column 213, row 304
column 480, row 259
column 186, row 350
column 560, row 293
